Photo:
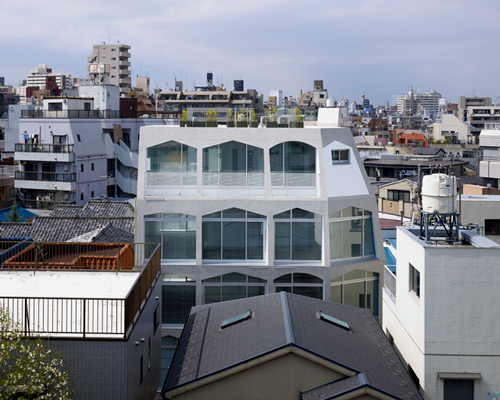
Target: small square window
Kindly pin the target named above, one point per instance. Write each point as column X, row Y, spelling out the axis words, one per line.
column 340, row 156
column 414, row 280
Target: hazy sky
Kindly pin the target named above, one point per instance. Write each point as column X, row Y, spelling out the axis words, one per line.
column 376, row 47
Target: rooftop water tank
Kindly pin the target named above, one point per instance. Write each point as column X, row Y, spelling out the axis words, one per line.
column 439, row 194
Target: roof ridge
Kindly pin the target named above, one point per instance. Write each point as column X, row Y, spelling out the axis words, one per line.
column 287, row 320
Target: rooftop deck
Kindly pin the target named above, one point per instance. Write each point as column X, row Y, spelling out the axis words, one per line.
column 79, row 290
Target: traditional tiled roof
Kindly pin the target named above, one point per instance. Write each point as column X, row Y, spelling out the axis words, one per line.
column 95, row 208
column 280, row 320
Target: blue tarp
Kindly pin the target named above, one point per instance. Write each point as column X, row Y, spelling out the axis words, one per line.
column 392, row 242
column 22, row 212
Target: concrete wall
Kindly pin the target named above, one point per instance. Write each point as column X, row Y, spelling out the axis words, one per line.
column 281, row 378
column 476, row 209
column 450, row 328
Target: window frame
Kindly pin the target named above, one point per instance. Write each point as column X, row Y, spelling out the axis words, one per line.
column 246, row 220
column 341, row 156
column 414, row 280
column 210, row 282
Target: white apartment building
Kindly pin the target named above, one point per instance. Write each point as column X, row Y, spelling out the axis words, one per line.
column 414, row 102
column 70, row 152
column 37, row 77
column 242, row 212
column 489, row 166
column 450, row 125
column 117, row 56
column 439, row 308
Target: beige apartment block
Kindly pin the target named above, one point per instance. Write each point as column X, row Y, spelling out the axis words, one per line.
column 117, row 56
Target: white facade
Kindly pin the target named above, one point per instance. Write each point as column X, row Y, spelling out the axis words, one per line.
column 248, row 211
column 450, row 125
column 489, row 166
column 38, row 74
column 106, row 97
column 441, row 315
column 278, row 94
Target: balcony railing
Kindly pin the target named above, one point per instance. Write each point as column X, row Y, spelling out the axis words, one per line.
column 84, row 317
column 390, row 282
column 46, row 176
column 45, row 148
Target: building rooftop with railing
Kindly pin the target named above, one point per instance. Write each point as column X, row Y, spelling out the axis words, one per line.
column 82, row 296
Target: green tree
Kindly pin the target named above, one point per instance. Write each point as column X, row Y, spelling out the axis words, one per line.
column 253, row 116
column 211, row 115
column 27, row 369
column 184, row 115
column 298, row 115
column 271, row 113
column 14, row 216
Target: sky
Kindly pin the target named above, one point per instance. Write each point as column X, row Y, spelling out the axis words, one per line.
column 380, row 48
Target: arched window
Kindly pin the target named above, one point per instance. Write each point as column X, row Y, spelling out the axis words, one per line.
column 298, row 235
column 299, row 283
column 351, row 234
column 233, row 164
column 232, row 286
column 175, row 232
column 293, row 164
column 169, row 164
column 233, row 234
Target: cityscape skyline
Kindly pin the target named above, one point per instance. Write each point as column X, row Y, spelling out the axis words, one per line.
column 379, row 48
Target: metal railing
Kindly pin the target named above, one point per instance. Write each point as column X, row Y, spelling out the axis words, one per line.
column 44, row 148
column 390, row 282
column 98, row 114
column 88, row 317
column 46, row 176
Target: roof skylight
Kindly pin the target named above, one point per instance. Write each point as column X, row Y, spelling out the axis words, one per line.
column 236, row 319
column 334, row 321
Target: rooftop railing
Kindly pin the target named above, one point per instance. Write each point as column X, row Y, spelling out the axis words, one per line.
column 99, row 114
column 78, row 317
column 44, row 148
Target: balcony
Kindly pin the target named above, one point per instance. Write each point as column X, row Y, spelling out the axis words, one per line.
column 62, row 181
column 44, row 152
column 136, row 268
column 99, row 114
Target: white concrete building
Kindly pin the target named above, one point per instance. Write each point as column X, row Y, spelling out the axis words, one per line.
column 70, row 152
column 242, row 212
column 37, row 77
column 450, row 125
column 438, row 308
column 489, row 166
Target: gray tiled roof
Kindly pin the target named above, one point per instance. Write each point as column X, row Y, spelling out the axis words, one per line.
column 280, row 320
column 61, row 229
column 95, row 208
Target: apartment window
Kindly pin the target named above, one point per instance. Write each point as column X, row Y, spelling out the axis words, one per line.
column 298, row 235
column 492, row 226
column 78, row 138
column 293, row 164
column 233, row 164
column 175, row 232
column 92, row 166
column 170, row 164
column 340, row 156
column 458, row 389
column 298, row 283
column 92, row 193
column 351, row 234
column 81, row 168
column 55, row 106
column 178, row 296
column 168, row 346
column 358, row 288
column 398, row 195
column 86, row 106
column 232, row 286
column 414, row 280
column 233, row 234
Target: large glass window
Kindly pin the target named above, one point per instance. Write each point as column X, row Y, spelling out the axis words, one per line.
column 351, row 234
column 357, row 288
column 168, row 346
column 458, row 389
column 233, row 164
column 170, row 164
column 178, row 296
column 232, row 286
column 175, row 232
column 233, row 234
column 298, row 235
column 293, row 164
column 298, row 283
